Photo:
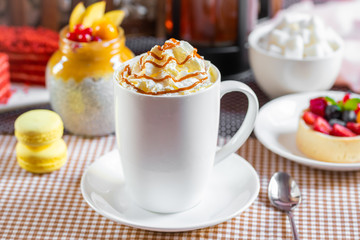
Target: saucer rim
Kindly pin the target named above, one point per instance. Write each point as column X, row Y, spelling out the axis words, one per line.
column 204, row 224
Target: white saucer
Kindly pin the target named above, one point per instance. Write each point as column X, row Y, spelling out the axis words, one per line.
column 233, row 187
column 24, row 95
column 277, row 123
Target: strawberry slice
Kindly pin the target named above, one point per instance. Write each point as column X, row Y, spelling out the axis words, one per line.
column 341, row 131
column 309, row 117
column 321, row 125
column 355, row 127
column 357, row 110
column 346, row 97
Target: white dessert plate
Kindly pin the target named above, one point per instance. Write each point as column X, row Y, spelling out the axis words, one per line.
column 277, row 123
column 233, row 187
column 24, row 95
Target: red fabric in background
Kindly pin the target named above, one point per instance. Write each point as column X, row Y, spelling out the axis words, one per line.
column 5, row 85
column 28, row 49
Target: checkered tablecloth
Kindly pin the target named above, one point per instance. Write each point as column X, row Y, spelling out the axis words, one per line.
column 50, row 206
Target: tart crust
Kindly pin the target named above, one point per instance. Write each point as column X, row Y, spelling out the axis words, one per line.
column 327, row 148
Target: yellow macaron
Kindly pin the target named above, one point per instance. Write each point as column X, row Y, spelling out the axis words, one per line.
column 42, row 159
column 38, row 127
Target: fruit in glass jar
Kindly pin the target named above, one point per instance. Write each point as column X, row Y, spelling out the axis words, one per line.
column 115, row 17
column 105, row 30
column 71, row 36
column 96, row 39
column 84, row 37
column 76, row 16
column 93, row 13
column 91, row 24
column 80, row 34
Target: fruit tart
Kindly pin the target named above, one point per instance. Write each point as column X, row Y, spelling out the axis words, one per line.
column 329, row 130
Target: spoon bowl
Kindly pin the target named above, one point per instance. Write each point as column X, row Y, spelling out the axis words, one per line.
column 285, row 195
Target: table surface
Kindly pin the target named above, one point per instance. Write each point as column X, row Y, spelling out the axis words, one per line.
column 50, row 206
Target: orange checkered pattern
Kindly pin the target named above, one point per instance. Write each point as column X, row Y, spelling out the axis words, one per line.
column 50, row 206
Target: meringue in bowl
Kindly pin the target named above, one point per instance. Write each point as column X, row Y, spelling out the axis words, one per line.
column 295, row 56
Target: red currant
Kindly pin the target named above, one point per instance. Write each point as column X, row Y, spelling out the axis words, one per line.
column 81, row 38
column 87, row 31
column 78, row 28
column 80, row 34
column 88, row 37
column 96, row 39
column 71, row 36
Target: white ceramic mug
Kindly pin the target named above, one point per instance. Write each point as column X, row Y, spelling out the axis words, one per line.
column 167, row 144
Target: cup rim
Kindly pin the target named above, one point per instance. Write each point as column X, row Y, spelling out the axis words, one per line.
column 117, row 84
column 264, row 28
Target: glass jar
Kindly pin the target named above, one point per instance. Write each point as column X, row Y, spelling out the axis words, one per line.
column 79, row 79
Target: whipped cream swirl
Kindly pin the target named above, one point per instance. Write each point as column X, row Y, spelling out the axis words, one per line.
column 174, row 68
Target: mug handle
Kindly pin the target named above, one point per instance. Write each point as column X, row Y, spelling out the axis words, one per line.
column 247, row 125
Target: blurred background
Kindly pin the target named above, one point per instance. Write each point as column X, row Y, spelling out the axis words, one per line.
column 218, row 28
column 141, row 19
column 144, row 17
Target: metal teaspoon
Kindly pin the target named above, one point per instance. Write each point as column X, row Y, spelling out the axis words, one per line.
column 285, row 195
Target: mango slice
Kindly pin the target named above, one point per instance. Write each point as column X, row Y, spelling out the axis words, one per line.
column 115, row 17
column 76, row 16
column 93, row 13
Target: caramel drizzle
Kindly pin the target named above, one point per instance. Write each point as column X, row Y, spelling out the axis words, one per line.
column 155, row 56
column 167, row 45
column 142, row 64
column 160, row 58
column 167, row 91
column 168, row 76
column 195, row 54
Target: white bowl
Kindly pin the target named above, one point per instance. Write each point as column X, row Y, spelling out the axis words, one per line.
column 277, row 75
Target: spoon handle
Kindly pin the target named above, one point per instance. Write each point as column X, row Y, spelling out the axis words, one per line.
column 293, row 226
